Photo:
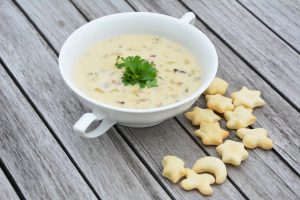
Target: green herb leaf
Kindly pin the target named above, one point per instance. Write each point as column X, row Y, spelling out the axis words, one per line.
column 137, row 71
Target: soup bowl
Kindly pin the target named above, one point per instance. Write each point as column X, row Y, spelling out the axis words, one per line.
column 180, row 30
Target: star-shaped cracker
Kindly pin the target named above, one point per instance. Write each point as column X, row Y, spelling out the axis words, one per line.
column 240, row 117
column 247, row 98
column 218, row 86
column 255, row 138
column 173, row 168
column 201, row 182
column 232, row 152
column 219, row 103
column 211, row 133
column 199, row 115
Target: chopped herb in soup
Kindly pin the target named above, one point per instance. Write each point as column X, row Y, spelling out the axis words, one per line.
column 137, row 71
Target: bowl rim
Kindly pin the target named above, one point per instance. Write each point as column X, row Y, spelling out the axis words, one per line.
column 183, row 101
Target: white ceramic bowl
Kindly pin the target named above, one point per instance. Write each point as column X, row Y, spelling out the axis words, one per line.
column 179, row 30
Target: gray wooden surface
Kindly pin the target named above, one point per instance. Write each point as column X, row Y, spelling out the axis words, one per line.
column 264, row 51
column 37, row 163
column 41, row 157
column 282, row 18
column 60, row 109
column 6, row 190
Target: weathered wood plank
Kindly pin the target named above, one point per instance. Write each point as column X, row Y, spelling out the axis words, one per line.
column 35, row 68
column 251, row 189
column 139, row 171
column 38, row 164
column 253, row 175
column 267, row 53
column 284, row 118
column 222, row 193
column 158, row 159
column 6, row 190
column 263, row 169
column 283, row 17
column 107, row 7
column 168, row 138
column 35, row 7
column 260, row 163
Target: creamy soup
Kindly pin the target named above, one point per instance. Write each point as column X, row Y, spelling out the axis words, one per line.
column 178, row 73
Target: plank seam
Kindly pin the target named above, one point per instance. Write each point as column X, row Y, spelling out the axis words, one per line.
column 78, row 10
column 137, row 153
column 265, row 24
column 286, row 162
column 258, row 73
column 132, row 170
column 131, row 146
column 120, row 132
column 132, row 6
column 11, row 180
column 45, row 121
column 281, row 158
column 206, row 152
column 42, row 118
column 279, row 177
column 35, row 26
column 243, row 59
column 276, row 153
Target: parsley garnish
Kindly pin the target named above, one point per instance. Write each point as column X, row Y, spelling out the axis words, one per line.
column 137, row 71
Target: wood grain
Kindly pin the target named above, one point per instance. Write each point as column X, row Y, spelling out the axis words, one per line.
column 286, row 176
column 34, row 66
column 137, row 168
column 279, row 120
column 260, row 47
column 221, row 193
column 6, row 190
column 35, row 7
column 253, row 175
column 107, row 7
column 283, row 17
column 39, row 166
column 261, row 161
column 168, row 138
column 146, row 150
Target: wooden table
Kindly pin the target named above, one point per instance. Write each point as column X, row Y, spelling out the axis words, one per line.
column 258, row 44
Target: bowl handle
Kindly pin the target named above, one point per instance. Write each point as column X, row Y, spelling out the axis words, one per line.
column 189, row 18
column 87, row 119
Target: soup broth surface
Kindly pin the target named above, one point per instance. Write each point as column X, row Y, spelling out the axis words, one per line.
column 178, row 72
